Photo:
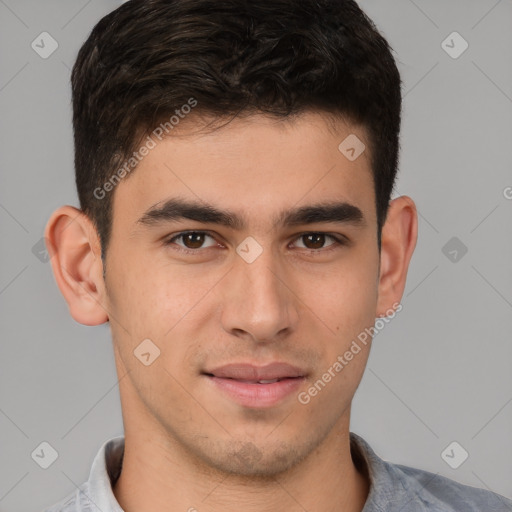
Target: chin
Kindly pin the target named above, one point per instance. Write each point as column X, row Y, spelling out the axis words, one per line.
column 246, row 459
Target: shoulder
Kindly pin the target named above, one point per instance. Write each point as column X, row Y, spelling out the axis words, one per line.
column 396, row 487
column 75, row 502
column 440, row 493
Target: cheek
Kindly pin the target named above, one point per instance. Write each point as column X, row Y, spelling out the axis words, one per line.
column 147, row 295
column 160, row 302
column 345, row 298
column 347, row 305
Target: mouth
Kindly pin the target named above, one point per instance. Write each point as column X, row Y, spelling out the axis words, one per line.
column 256, row 386
column 262, row 381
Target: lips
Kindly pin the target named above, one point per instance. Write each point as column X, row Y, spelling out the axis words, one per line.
column 249, row 373
column 256, row 387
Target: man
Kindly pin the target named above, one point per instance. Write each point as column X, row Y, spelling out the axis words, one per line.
column 234, row 165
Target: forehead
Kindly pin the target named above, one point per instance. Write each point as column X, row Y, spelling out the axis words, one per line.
column 255, row 167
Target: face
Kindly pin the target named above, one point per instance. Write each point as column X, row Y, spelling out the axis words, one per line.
column 255, row 282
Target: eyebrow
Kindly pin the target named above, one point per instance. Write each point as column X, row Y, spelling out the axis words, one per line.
column 177, row 209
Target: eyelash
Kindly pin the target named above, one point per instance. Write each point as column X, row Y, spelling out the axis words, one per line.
column 339, row 241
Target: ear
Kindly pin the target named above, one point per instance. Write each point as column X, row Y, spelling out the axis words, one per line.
column 399, row 235
column 75, row 255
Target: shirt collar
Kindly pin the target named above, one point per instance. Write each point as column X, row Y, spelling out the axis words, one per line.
column 391, row 488
column 105, row 471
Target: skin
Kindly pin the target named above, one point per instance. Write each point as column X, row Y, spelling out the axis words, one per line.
column 187, row 445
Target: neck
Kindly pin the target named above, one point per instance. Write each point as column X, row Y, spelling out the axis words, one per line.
column 159, row 475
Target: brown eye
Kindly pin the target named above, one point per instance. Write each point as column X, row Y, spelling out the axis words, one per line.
column 192, row 240
column 316, row 241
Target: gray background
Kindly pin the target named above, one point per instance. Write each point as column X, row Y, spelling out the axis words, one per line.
column 439, row 372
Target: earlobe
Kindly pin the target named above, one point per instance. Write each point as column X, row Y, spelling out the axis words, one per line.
column 75, row 255
column 399, row 236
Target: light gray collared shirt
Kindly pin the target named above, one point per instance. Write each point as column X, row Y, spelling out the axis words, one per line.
column 393, row 487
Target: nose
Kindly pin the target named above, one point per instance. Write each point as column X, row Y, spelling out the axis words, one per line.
column 258, row 302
